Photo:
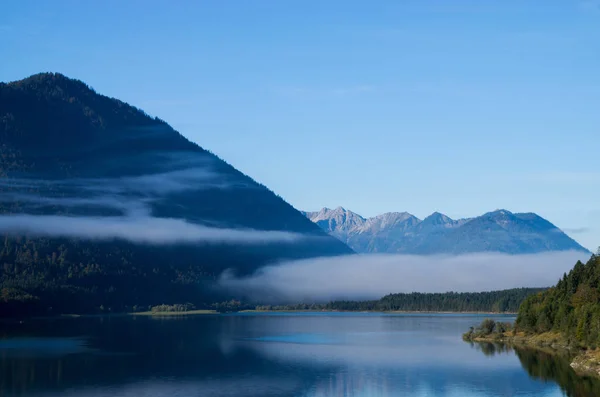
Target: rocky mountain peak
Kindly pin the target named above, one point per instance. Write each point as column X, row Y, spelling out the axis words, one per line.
column 499, row 231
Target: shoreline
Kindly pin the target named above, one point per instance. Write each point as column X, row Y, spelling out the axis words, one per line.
column 585, row 362
column 451, row 312
column 378, row 311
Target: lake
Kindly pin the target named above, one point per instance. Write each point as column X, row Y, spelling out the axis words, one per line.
column 273, row 354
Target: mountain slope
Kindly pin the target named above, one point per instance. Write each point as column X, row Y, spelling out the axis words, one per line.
column 498, row 231
column 102, row 205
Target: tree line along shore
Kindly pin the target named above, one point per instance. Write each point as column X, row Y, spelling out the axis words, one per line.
column 505, row 301
column 565, row 317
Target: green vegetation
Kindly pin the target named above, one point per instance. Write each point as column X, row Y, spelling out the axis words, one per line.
column 506, row 301
column 488, row 330
column 42, row 276
column 571, row 308
column 566, row 316
column 174, row 310
column 188, row 308
column 178, row 308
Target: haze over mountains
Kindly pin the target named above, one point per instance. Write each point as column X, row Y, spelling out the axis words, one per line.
column 104, row 206
column 401, row 232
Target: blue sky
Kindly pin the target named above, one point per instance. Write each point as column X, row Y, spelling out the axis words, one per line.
column 456, row 106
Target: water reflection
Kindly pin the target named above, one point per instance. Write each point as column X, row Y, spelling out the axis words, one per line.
column 247, row 356
column 546, row 366
column 492, row 349
column 36, row 347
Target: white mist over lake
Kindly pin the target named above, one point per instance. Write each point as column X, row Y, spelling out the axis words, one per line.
column 373, row 276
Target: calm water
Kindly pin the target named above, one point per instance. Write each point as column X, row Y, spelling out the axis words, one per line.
column 272, row 355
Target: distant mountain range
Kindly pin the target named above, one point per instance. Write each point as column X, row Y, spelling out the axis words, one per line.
column 401, row 232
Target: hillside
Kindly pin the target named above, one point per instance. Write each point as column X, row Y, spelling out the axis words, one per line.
column 401, row 232
column 571, row 308
column 104, row 206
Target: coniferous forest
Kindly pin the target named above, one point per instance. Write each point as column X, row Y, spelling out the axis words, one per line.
column 572, row 307
column 506, row 301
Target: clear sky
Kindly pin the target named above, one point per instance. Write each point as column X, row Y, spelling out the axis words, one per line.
column 461, row 107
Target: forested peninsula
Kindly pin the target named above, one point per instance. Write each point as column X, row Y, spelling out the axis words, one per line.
column 566, row 316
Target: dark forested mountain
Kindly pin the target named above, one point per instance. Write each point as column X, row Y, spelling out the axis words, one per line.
column 104, row 206
column 401, row 232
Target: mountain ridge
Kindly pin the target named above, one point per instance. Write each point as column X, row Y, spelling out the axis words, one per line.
column 496, row 231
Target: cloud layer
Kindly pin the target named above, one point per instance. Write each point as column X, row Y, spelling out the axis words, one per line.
column 138, row 229
column 130, row 197
column 372, row 276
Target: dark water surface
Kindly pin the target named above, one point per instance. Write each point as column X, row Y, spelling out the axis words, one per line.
column 296, row 354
